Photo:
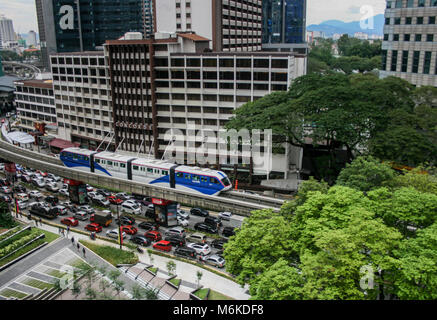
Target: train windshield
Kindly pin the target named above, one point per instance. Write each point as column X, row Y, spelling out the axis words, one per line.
column 226, row 181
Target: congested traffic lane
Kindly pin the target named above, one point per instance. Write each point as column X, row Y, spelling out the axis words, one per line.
column 81, row 225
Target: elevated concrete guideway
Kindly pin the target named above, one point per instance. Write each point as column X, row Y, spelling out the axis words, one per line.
column 54, row 165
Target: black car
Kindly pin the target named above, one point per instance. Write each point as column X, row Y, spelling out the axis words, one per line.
column 199, row 212
column 52, row 200
column 228, row 231
column 205, row 228
column 218, row 243
column 4, row 183
column 25, row 178
column 126, row 220
column 19, row 189
column 43, row 211
column 141, row 240
column 148, row 226
column 175, row 240
column 185, row 252
column 213, row 221
column 103, row 192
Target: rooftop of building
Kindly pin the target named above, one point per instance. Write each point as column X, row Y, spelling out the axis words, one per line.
column 79, row 53
column 192, row 36
column 7, row 83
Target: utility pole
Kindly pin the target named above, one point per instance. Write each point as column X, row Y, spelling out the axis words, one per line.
column 119, row 228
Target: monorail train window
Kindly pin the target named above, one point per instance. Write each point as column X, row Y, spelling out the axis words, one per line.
column 98, row 160
column 122, row 165
column 86, row 158
column 135, row 168
column 115, row 164
column 165, row 173
column 179, row 175
column 214, row 180
column 188, row 176
column 75, row 156
column 150, row 170
column 196, row 178
column 109, row 163
column 204, row 179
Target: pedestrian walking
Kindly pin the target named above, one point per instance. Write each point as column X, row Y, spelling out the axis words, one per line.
column 72, row 241
column 62, row 232
column 40, row 222
column 78, row 246
column 68, row 230
column 83, row 251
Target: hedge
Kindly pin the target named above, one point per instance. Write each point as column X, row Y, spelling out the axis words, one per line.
column 18, row 243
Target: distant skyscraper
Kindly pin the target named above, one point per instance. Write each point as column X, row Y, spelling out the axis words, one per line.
column 31, row 38
column 6, row 29
column 409, row 48
column 284, row 25
column 85, row 25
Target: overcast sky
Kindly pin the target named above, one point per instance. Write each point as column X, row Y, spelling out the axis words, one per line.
column 23, row 12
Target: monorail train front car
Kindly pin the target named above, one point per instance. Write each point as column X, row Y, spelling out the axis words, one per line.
column 161, row 173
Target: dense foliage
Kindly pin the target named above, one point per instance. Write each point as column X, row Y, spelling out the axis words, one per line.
column 342, row 243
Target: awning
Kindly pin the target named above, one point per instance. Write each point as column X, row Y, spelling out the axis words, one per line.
column 21, row 137
column 62, row 144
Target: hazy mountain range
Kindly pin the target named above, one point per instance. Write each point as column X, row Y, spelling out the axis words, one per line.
column 331, row 27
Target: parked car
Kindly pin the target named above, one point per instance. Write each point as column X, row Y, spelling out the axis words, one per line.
column 54, row 177
column 22, row 197
column 153, row 235
column 6, row 190
column 184, row 214
column 52, row 200
column 89, row 188
column 64, row 192
column 39, row 182
column 147, row 225
column 6, row 199
column 185, row 252
column 123, row 196
column 183, row 222
column 114, row 233
column 35, row 194
column 141, row 240
column 150, row 211
column 4, row 183
column 175, row 240
column 22, row 205
column 70, row 221
column 129, row 229
column 114, row 200
column 205, row 227
column 62, row 210
column 196, row 237
column 39, row 209
column 81, row 215
column 124, row 220
column 218, row 243
column 225, row 215
column 176, row 230
column 94, row 227
column 19, row 189
column 101, row 202
column 215, row 261
column 215, row 222
column 201, row 248
column 25, row 178
column 103, row 193
column 88, row 209
column 130, row 208
column 228, row 231
column 162, row 245
column 199, row 212
column 52, row 186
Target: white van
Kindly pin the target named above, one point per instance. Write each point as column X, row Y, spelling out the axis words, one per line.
column 131, row 208
column 81, row 215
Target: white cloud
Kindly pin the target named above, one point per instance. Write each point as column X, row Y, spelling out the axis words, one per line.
column 345, row 10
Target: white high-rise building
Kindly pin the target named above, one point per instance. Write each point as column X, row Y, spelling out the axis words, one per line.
column 31, row 38
column 6, row 29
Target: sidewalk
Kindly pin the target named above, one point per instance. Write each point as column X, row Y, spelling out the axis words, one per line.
column 185, row 271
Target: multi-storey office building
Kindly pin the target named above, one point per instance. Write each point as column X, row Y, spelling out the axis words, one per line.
column 284, row 25
column 82, row 98
column 164, row 84
column 6, row 29
column 35, row 103
column 85, row 25
column 409, row 47
column 232, row 25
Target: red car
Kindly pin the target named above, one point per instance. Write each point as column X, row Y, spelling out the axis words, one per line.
column 94, row 227
column 129, row 229
column 44, row 174
column 70, row 221
column 162, row 245
column 153, row 235
column 114, row 200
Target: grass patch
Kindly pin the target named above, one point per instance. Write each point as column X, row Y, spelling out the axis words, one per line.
column 8, row 293
column 113, row 255
column 175, row 281
column 56, row 273
column 214, row 295
column 153, row 269
column 201, row 293
column 50, row 236
column 38, row 284
column 75, row 263
column 22, row 251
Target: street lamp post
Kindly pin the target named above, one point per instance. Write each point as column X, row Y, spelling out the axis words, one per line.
column 119, row 228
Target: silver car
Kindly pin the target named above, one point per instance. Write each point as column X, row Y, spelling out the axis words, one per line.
column 215, row 260
column 114, row 233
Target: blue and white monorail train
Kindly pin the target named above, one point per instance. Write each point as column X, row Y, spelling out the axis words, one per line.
column 157, row 172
